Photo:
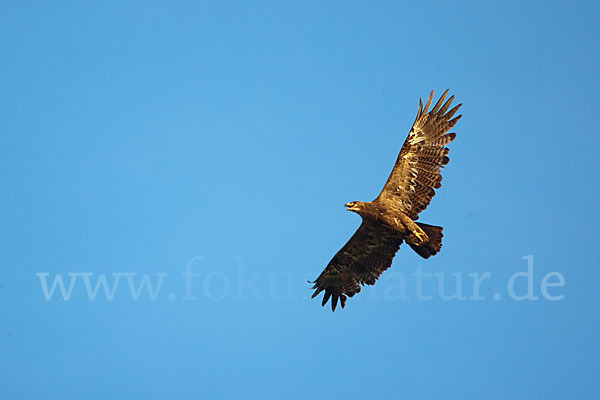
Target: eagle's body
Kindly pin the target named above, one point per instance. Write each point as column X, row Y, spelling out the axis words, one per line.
column 388, row 214
column 390, row 219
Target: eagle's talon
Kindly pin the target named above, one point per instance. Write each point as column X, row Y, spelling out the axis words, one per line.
column 420, row 237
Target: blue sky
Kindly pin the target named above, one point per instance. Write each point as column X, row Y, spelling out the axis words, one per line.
column 223, row 139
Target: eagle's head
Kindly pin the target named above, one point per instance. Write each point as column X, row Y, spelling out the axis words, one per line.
column 356, row 206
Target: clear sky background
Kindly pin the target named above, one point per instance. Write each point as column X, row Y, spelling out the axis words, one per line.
column 146, row 137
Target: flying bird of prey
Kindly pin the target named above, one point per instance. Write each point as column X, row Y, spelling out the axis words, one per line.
column 390, row 219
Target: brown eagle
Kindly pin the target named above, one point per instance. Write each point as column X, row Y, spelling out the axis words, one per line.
column 390, row 219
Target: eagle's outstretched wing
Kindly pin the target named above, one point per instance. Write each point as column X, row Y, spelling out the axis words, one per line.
column 417, row 170
column 361, row 261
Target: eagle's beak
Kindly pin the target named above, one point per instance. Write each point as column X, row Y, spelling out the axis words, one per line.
column 351, row 207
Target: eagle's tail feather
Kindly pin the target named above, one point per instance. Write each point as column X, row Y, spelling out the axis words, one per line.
column 433, row 245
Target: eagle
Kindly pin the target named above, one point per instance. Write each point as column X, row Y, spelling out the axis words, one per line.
column 391, row 218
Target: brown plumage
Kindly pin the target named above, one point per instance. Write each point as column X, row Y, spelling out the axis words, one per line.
column 388, row 220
